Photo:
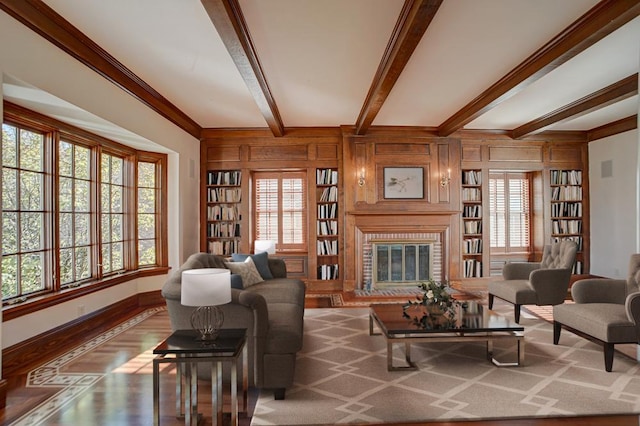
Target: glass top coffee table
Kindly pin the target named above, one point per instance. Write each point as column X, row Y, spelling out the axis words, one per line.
column 472, row 322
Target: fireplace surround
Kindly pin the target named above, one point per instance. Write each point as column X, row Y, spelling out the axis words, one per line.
column 368, row 229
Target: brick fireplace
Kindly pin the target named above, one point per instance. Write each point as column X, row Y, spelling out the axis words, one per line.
column 368, row 228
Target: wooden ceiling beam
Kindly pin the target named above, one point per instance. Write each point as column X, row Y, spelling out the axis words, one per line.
column 619, row 126
column 603, row 19
column 414, row 19
column 228, row 19
column 616, row 92
column 43, row 20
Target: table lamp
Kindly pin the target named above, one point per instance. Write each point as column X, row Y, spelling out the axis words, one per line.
column 264, row 245
column 206, row 288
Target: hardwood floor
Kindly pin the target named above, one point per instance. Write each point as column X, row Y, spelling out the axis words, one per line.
column 108, row 381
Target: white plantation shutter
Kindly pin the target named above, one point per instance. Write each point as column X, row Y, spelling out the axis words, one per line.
column 510, row 212
column 280, row 209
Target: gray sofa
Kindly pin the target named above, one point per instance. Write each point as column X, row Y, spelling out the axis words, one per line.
column 272, row 312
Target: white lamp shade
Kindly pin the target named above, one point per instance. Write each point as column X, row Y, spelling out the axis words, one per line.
column 205, row 287
column 260, row 246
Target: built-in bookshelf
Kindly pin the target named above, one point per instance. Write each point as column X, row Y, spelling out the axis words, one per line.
column 327, row 224
column 472, row 241
column 567, row 218
column 224, row 194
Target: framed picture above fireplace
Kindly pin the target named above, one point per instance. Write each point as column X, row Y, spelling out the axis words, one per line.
column 403, row 182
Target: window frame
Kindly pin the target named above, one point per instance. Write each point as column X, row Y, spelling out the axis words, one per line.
column 506, row 176
column 54, row 132
column 280, row 175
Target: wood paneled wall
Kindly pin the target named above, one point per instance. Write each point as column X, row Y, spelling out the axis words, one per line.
column 383, row 147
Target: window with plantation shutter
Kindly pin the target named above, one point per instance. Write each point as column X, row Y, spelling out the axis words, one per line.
column 510, row 212
column 281, row 209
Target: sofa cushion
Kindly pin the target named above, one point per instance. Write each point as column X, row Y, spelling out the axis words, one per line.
column 247, row 270
column 261, row 260
column 607, row 322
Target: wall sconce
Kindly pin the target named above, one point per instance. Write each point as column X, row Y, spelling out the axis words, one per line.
column 361, row 177
column 445, row 179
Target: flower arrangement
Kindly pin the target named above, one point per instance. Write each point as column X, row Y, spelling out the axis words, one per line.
column 437, row 300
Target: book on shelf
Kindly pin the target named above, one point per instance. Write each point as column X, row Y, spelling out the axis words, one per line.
column 574, row 238
column 231, row 177
column 472, row 246
column 223, row 230
column 223, row 195
column 328, row 272
column 472, row 268
column 472, row 227
column 566, row 226
column 326, row 177
column 566, row 177
column 474, row 211
column 327, row 247
column 471, row 177
column 328, row 211
column 566, row 209
column 471, row 194
column 327, row 227
column 223, row 247
column 223, row 212
column 329, row 194
column 566, row 193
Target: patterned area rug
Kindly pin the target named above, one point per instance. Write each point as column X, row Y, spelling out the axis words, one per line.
column 342, row 377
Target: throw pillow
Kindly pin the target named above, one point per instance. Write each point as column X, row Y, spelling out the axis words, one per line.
column 261, row 260
column 247, row 271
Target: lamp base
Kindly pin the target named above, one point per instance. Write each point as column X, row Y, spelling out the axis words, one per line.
column 207, row 320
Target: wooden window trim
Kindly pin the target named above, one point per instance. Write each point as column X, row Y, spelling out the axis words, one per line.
column 56, row 130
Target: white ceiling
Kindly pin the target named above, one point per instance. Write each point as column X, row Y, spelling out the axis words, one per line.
column 320, row 56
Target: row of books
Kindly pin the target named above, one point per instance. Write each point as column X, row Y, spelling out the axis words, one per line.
column 326, row 177
column 223, row 230
column 471, row 194
column 223, row 195
column 223, row 247
column 566, row 193
column 328, row 272
column 327, row 227
column 471, row 177
column 327, row 211
column 327, row 247
column 473, row 227
column 566, row 209
column 578, row 267
column 564, row 226
column 472, row 245
column 232, row 177
column 472, row 268
column 223, row 212
column 575, row 238
column 472, row 211
column 566, row 177
column 329, row 193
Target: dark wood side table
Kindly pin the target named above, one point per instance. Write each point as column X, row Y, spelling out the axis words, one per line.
column 184, row 350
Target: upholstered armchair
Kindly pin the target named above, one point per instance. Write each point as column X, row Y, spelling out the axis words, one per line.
column 537, row 283
column 605, row 310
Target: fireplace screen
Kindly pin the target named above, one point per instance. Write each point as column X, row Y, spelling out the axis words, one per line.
column 397, row 263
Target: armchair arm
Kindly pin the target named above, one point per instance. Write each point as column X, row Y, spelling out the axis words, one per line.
column 519, row 270
column 551, row 285
column 599, row 290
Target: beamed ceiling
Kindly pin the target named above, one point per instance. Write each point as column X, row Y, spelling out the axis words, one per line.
column 516, row 66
